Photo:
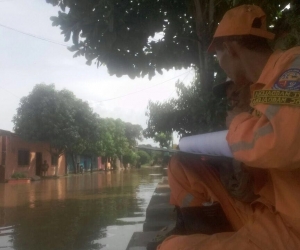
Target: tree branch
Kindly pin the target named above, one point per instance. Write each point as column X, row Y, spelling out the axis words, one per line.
column 211, row 15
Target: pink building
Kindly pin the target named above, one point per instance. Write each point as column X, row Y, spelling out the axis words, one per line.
column 17, row 155
column 101, row 165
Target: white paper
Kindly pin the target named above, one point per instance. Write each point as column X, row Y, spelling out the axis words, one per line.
column 214, row 144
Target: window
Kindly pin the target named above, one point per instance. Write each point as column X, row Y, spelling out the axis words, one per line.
column 23, row 157
column 54, row 160
column 3, row 155
column 3, row 158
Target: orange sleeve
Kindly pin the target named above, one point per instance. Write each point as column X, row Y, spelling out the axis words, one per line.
column 271, row 140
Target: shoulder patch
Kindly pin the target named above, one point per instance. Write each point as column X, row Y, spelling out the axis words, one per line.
column 276, row 97
column 289, row 80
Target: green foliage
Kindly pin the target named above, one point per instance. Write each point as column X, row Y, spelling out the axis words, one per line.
column 57, row 117
column 18, row 175
column 133, row 134
column 164, row 139
column 116, row 33
column 116, row 137
column 197, row 110
column 287, row 27
column 120, row 140
column 130, row 157
column 156, row 157
column 143, row 157
column 193, row 112
column 68, row 123
column 120, row 35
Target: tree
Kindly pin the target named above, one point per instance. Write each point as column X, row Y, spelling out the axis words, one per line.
column 121, row 142
column 133, row 133
column 69, row 124
column 130, row 157
column 107, row 137
column 164, row 139
column 287, row 27
column 117, row 138
column 121, row 35
column 143, row 157
column 197, row 110
column 57, row 117
column 116, row 33
column 193, row 112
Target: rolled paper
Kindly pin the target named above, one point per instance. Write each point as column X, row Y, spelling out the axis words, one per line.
column 212, row 144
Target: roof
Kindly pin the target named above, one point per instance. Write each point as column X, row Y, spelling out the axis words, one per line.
column 157, row 149
column 5, row 132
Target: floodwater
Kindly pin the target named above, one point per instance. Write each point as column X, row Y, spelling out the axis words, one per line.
column 78, row 212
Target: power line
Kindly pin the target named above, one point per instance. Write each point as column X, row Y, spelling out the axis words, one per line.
column 9, row 92
column 188, row 72
column 57, row 43
column 28, row 34
column 186, row 75
column 143, row 89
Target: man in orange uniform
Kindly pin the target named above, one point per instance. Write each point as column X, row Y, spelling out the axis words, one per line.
column 266, row 140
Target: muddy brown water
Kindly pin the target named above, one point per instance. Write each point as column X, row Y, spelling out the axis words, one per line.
column 78, row 212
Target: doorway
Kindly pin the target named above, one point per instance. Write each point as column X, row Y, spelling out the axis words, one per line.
column 38, row 163
column 2, row 174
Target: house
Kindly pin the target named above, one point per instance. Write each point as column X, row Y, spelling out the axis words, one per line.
column 85, row 163
column 18, row 155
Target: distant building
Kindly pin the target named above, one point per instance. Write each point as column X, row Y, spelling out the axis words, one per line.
column 20, row 156
column 17, row 155
column 83, row 163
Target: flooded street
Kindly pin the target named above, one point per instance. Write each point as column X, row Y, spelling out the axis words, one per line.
column 81, row 212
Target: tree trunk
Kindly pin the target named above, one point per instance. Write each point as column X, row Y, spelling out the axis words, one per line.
column 57, row 152
column 56, row 170
column 74, row 159
column 206, row 72
column 92, row 161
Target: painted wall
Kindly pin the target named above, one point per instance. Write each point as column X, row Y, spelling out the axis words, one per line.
column 86, row 162
column 101, row 165
column 14, row 144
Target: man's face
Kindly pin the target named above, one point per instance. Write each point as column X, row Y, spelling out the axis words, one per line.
column 230, row 62
column 223, row 59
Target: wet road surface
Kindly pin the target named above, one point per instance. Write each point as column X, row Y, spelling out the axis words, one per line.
column 78, row 212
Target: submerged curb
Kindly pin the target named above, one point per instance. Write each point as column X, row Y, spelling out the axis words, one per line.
column 159, row 214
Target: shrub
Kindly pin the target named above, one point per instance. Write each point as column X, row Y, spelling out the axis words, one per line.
column 18, row 175
column 144, row 157
column 130, row 157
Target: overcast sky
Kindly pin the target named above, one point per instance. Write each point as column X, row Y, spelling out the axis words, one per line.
column 27, row 60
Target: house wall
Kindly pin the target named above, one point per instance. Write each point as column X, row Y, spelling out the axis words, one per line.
column 85, row 161
column 101, row 165
column 15, row 143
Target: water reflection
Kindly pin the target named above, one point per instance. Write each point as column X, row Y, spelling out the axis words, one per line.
column 82, row 212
